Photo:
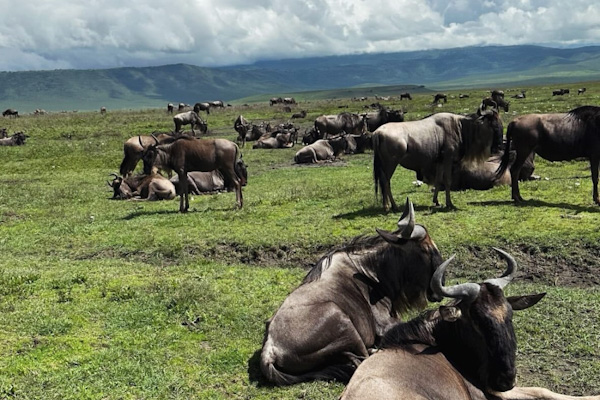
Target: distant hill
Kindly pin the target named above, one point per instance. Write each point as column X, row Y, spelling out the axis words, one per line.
column 155, row 86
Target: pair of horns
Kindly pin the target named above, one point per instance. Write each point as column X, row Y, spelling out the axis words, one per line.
column 469, row 291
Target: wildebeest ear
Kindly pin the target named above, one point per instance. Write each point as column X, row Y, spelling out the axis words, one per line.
column 389, row 236
column 523, row 302
column 449, row 313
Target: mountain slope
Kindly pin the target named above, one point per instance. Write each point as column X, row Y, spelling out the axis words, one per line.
column 155, row 86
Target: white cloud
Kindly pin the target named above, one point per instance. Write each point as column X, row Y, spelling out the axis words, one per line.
column 46, row 34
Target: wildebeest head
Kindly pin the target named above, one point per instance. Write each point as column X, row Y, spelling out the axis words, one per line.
column 482, row 322
column 120, row 191
column 486, row 137
column 148, row 155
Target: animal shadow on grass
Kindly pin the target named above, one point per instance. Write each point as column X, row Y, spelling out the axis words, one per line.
column 539, row 203
column 373, row 211
column 142, row 213
column 254, row 374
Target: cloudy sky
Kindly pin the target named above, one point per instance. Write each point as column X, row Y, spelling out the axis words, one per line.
column 64, row 34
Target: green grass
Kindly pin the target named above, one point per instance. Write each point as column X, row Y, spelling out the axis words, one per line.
column 116, row 299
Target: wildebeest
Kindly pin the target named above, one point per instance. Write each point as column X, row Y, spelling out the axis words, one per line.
column 39, row 111
column 202, row 107
column 181, row 107
column 275, row 100
column 327, row 325
column 463, row 96
column 440, row 96
column 554, row 137
column 433, row 143
column 405, row 95
column 289, row 100
column 377, row 118
column 497, row 103
column 134, row 147
column 301, row 114
column 335, row 124
column 560, row 92
column 102, row 110
column 323, row 150
column 519, row 95
column 190, row 118
column 216, row 103
column 280, row 140
column 10, row 112
column 241, row 125
column 16, row 139
column 150, row 187
column 581, row 91
column 3, row 133
column 465, row 350
column 170, row 108
column 186, row 154
column 200, row 182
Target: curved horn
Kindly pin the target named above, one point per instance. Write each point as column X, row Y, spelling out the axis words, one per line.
column 140, row 140
column 465, row 291
column 114, row 174
column 509, row 274
column 407, row 221
column 154, row 137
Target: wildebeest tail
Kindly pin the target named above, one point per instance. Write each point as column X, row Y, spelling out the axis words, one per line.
column 240, row 169
column 341, row 373
column 127, row 165
column 505, row 162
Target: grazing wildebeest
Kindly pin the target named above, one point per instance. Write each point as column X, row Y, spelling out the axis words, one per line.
column 216, row 103
column 181, row 107
column 39, row 111
column 463, row 96
column 465, row 350
column 433, row 143
column 241, row 125
column 102, row 110
column 10, row 112
column 581, row 91
column 340, row 123
column 186, row 154
column 190, row 118
column 16, row 139
column 170, row 108
column 301, row 114
column 554, row 137
column 150, row 187
column 560, row 92
column 202, row 107
column 440, row 96
column 289, row 100
column 377, row 118
column 134, row 146
column 405, row 95
column 323, row 150
column 327, row 325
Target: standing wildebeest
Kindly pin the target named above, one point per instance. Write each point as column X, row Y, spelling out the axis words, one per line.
column 170, row 108
column 190, row 118
column 581, row 91
column 146, row 187
column 440, row 96
column 405, row 95
column 10, row 112
column 241, row 126
column 377, row 118
column 497, row 103
column 102, row 110
column 433, row 143
column 327, row 325
column 275, row 100
column 554, row 137
column 134, row 147
column 289, row 100
column 560, row 92
column 187, row 154
column 519, row 95
column 17, row 139
column 216, row 103
column 202, row 107
column 340, row 123
column 323, row 150
column 465, row 350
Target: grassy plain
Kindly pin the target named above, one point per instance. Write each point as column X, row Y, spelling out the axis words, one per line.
column 103, row 299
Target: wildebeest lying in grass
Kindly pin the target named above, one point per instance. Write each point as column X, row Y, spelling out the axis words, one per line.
column 16, row 139
column 465, row 350
column 186, row 154
column 134, row 146
column 323, row 150
column 144, row 187
column 326, row 327
column 200, row 182
column 554, row 137
column 277, row 140
column 190, row 118
column 433, row 143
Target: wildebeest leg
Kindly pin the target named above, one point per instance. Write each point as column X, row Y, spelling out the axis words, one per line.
column 538, row 393
column 229, row 175
column 447, row 171
column 515, row 170
column 183, row 196
column 594, row 164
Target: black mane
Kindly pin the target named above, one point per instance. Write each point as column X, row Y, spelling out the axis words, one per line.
column 585, row 113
